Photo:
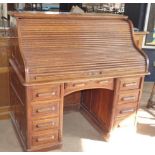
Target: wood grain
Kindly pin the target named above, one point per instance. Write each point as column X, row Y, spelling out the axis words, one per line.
column 59, row 37
column 55, row 55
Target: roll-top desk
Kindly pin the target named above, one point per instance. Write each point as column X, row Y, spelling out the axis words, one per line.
column 57, row 54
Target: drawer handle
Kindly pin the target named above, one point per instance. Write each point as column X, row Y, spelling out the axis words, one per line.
column 103, row 82
column 45, row 125
column 79, row 85
column 127, row 111
column 45, row 138
column 130, row 84
column 53, row 108
column 128, row 98
column 46, row 94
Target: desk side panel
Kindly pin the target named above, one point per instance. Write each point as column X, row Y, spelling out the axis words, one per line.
column 16, row 52
column 19, row 107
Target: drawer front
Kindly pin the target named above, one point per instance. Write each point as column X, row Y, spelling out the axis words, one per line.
column 73, row 86
column 128, row 97
column 126, row 109
column 128, row 121
column 50, row 108
column 45, row 92
column 45, row 139
column 130, row 83
column 45, row 124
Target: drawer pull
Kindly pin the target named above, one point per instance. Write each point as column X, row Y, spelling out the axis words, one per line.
column 45, row 125
column 46, row 109
column 130, row 84
column 45, row 138
column 128, row 98
column 103, row 82
column 127, row 111
column 46, row 94
column 79, row 85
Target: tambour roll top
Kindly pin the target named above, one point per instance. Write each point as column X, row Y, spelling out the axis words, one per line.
column 63, row 47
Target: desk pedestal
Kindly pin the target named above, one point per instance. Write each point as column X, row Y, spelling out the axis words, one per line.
column 38, row 109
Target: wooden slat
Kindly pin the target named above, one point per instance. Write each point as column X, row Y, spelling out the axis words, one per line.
column 60, row 46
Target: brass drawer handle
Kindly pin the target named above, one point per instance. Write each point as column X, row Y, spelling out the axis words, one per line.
column 127, row 111
column 45, row 138
column 103, row 82
column 45, row 125
column 46, row 94
column 130, row 84
column 128, row 98
column 53, row 108
column 79, row 85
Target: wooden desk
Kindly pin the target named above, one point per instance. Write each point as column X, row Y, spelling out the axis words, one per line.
column 55, row 55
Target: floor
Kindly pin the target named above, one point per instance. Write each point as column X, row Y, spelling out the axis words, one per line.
column 89, row 140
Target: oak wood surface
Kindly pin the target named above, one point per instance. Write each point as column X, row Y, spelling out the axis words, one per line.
column 55, row 55
column 59, row 37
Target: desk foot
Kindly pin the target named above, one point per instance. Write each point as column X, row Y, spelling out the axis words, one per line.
column 106, row 137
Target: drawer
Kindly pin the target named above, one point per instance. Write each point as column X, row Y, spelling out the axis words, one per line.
column 107, row 84
column 50, row 108
column 45, row 124
column 130, row 83
column 45, row 92
column 74, row 86
column 126, row 109
column 45, row 139
column 128, row 97
column 127, row 121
